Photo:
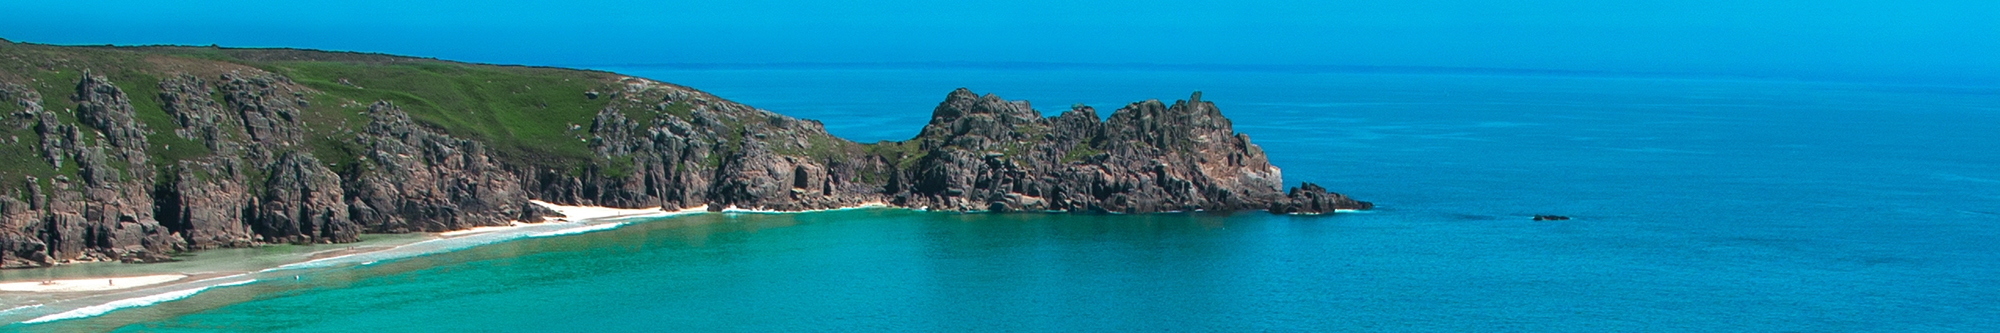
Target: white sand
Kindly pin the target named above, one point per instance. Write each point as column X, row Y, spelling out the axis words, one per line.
column 577, row 213
column 475, row 230
column 870, row 204
column 91, row 284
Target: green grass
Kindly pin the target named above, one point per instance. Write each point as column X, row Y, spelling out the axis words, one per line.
column 25, row 159
column 330, row 124
column 909, row 150
column 522, row 113
column 19, row 160
column 1079, row 152
column 678, row 109
column 819, row 147
column 616, row 167
column 163, row 148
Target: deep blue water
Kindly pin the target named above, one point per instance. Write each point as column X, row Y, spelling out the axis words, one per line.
column 1700, row 205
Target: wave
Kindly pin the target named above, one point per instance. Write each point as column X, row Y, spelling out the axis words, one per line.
column 442, row 245
column 100, row 309
column 578, row 230
column 23, row 307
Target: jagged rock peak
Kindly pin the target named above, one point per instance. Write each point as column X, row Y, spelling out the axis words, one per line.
column 963, row 102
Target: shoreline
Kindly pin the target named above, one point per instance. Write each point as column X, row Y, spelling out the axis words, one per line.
column 865, row 205
column 89, row 284
column 28, row 299
column 575, row 214
column 47, row 297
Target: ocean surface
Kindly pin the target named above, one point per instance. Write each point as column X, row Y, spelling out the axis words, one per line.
column 1699, row 205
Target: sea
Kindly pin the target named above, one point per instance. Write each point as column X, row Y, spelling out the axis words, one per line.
column 1697, row 204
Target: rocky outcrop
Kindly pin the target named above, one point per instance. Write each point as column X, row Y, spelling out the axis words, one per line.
column 186, row 99
column 105, row 211
column 209, row 199
column 662, row 161
column 302, row 204
column 266, row 106
column 240, row 159
column 1311, row 199
column 978, row 153
column 116, row 175
column 205, row 202
column 413, row 179
column 982, row 153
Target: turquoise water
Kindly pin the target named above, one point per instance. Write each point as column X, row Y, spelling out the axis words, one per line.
column 1700, row 205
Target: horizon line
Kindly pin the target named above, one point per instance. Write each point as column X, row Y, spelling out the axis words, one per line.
column 1191, row 67
column 1261, row 68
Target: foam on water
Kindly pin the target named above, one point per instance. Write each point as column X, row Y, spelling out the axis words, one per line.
column 422, row 248
column 19, row 308
column 578, row 230
column 865, row 205
column 101, row 309
column 441, row 245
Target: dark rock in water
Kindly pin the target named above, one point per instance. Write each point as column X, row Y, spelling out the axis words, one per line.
column 1550, row 217
column 1311, row 199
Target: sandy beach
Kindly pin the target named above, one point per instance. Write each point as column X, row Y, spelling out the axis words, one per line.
column 89, row 284
column 578, row 213
column 575, row 213
column 94, row 285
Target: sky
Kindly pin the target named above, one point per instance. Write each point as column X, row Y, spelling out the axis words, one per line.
column 1913, row 40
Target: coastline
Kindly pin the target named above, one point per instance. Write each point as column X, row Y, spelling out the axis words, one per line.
column 89, row 284
column 30, row 301
column 50, row 304
column 864, row 205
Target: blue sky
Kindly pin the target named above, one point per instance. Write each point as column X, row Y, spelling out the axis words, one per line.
column 1904, row 40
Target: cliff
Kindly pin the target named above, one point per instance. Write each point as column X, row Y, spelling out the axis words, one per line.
column 134, row 153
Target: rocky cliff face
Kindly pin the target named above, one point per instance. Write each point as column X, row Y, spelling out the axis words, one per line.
column 981, row 153
column 413, row 179
column 244, row 157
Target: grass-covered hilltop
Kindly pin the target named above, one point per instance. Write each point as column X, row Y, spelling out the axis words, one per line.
column 133, row 153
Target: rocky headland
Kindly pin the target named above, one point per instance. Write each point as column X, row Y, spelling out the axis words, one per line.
column 135, row 153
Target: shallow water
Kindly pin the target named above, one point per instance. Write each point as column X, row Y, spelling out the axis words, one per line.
column 1699, row 205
